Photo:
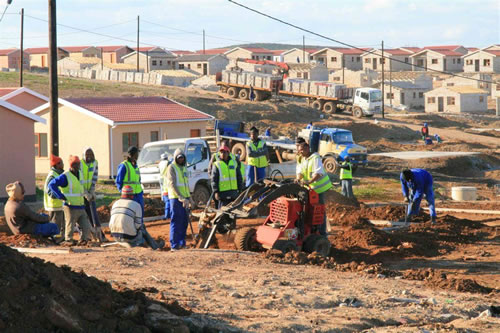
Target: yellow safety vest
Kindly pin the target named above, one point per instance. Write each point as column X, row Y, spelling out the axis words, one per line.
column 50, row 204
column 74, row 191
column 231, row 155
column 87, row 173
column 261, row 160
column 227, row 175
column 181, row 182
column 164, row 188
column 132, row 177
column 346, row 173
column 321, row 185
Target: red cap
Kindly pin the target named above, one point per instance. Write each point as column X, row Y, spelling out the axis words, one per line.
column 224, row 148
column 54, row 160
column 73, row 159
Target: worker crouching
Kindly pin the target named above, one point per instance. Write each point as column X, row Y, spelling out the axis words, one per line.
column 416, row 183
column 226, row 178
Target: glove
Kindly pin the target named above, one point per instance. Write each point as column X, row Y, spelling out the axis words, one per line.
column 407, row 199
column 186, row 203
column 217, row 196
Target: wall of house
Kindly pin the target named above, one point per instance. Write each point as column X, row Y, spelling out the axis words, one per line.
column 12, row 60
column 454, row 64
column 216, row 65
column 291, row 57
column 18, row 162
column 42, row 59
column 462, row 81
column 333, row 60
column 472, row 103
column 4, row 61
column 239, row 53
column 116, row 57
column 412, row 99
column 433, row 107
column 359, row 78
column 26, row 101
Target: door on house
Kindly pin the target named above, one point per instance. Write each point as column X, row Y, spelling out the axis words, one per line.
column 113, row 59
column 440, row 104
column 402, row 98
column 205, row 69
column 195, row 133
column 476, row 65
column 43, row 61
column 374, row 63
column 444, row 64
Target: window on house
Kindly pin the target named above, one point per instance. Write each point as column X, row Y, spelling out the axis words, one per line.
column 381, row 60
column 153, row 62
column 414, row 94
column 189, row 66
column 420, row 95
column 168, row 62
column 454, row 60
column 431, row 100
column 468, row 62
column 358, row 59
column 481, row 99
column 337, row 78
column 333, row 59
column 311, row 57
column 450, row 84
column 450, row 100
column 434, row 61
column 486, row 62
column 299, row 74
column 161, row 62
column 129, row 139
column 389, row 96
column 268, row 57
column 194, row 133
column 154, row 136
column 181, row 66
column 41, row 145
column 253, row 57
column 458, row 60
column 198, row 65
column 367, row 60
column 306, row 76
column 407, row 60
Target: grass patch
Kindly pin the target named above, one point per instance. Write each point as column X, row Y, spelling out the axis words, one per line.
column 39, row 194
column 106, row 200
column 371, row 193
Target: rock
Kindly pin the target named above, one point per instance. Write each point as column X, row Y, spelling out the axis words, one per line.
column 429, row 301
column 485, row 313
column 235, row 295
column 128, row 312
column 380, row 276
column 165, row 322
column 62, row 318
column 404, row 292
column 157, row 308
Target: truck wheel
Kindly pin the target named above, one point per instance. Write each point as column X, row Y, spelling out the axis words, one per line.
column 330, row 164
column 223, row 89
column 259, row 95
column 329, row 107
column 239, row 149
column 317, row 243
column 357, row 112
column 246, row 240
column 201, row 194
column 285, row 246
column 243, row 94
column 232, row 92
column 317, row 105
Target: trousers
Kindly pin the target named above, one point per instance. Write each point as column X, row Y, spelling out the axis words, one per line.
column 166, row 200
column 347, row 188
column 91, row 210
column 178, row 224
column 46, row 229
column 72, row 217
column 261, row 174
column 57, row 217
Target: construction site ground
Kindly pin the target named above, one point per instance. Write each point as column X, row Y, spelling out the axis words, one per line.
column 432, row 277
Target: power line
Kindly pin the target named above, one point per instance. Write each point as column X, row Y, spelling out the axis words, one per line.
column 349, row 45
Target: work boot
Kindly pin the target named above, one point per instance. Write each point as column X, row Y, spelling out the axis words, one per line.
column 161, row 244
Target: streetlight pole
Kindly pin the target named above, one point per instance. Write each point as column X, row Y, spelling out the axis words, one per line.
column 53, row 88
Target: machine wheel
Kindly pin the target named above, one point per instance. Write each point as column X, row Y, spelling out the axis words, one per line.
column 243, row 94
column 232, row 92
column 239, row 148
column 285, row 246
column 246, row 239
column 317, row 105
column 223, row 89
column 330, row 164
column 357, row 112
column 329, row 107
column 201, row 195
column 317, row 243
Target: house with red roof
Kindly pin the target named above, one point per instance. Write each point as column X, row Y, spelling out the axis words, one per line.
column 111, row 125
column 398, row 60
column 11, row 58
column 298, row 56
column 337, row 58
column 39, row 56
column 151, row 58
column 255, row 53
column 114, row 54
column 486, row 60
column 83, row 51
column 447, row 58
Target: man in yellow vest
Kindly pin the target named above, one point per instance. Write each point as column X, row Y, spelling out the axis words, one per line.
column 257, row 158
column 67, row 187
column 180, row 200
column 312, row 174
column 128, row 174
column 163, row 166
column 89, row 172
column 54, row 206
column 226, row 178
column 346, row 178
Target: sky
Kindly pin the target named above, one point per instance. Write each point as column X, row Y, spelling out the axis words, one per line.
column 178, row 24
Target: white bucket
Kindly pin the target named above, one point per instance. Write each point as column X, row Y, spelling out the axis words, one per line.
column 464, row 193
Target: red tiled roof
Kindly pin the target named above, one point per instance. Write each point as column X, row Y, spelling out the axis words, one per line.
column 277, row 52
column 181, row 52
column 139, row 109
column 5, row 91
column 40, row 50
column 447, row 52
column 212, row 51
column 351, row 51
column 443, row 47
column 6, row 51
column 145, row 48
column 411, row 48
column 397, row 52
column 472, row 49
column 111, row 48
column 494, row 52
column 75, row 48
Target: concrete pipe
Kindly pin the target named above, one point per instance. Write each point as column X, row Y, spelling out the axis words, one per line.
column 464, row 193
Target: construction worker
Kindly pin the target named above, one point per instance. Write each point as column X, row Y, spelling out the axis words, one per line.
column 128, row 174
column 217, row 156
column 21, row 219
column 67, row 187
column 311, row 173
column 54, row 206
column 89, row 172
column 126, row 224
column 346, row 178
column 257, row 158
column 163, row 165
column 425, row 131
column 180, row 201
column 310, row 126
column 226, row 178
column 416, row 183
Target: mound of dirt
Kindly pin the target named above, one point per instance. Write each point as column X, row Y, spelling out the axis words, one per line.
column 24, row 240
column 365, row 237
column 152, row 207
column 459, row 166
column 39, row 296
column 333, row 197
column 349, row 216
column 104, row 213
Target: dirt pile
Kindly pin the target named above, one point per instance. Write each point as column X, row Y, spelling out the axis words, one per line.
column 333, row 197
column 460, row 166
column 152, row 207
column 58, row 299
column 24, row 240
column 104, row 213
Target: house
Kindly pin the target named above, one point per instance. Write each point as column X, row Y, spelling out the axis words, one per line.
column 476, row 80
column 212, row 51
column 405, row 89
column 297, row 55
column 399, row 60
column 354, row 79
column 111, row 125
column 77, row 63
column 17, row 128
column 338, row 58
column 151, row 58
column 114, row 54
column 447, row 58
column 83, row 51
column 486, row 60
column 39, row 56
column 11, row 58
column 23, row 97
column 456, row 100
column 315, row 72
column 254, row 53
column 203, row 64
column 278, row 55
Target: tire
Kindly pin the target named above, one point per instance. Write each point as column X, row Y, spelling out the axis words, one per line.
column 243, row 94
column 201, row 195
column 357, row 112
column 285, row 246
column 232, row 92
column 246, row 239
column 240, row 149
column 317, row 105
column 317, row 243
column 330, row 164
column 329, row 107
column 223, row 89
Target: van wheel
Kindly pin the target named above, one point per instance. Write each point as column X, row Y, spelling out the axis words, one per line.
column 201, row 195
column 357, row 112
column 232, row 92
column 239, row 149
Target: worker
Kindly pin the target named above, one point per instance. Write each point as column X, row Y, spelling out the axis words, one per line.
column 216, row 157
column 89, row 172
column 346, row 177
column 67, row 187
column 226, row 178
column 416, row 183
column 126, row 225
column 54, row 206
column 257, row 158
column 180, row 200
column 267, row 133
column 128, row 174
column 310, row 126
column 252, row 94
column 425, row 131
column 163, row 165
column 311, row 173
column 21, row 219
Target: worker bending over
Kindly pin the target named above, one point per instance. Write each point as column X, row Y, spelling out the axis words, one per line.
column 226, row 177
column 257, row 158
column 128, row 174
column 54, row 206
column 89, row 172
column 346, row 178
column 416, row 183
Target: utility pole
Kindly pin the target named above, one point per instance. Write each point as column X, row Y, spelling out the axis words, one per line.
column 21, row 65
column 343, row 67
column 383, row 81
column 102, row 59
column 203, row 41
column 147, row 63
column 53, row 89
column 390, row 80
column 138, row 44
column 304, row 49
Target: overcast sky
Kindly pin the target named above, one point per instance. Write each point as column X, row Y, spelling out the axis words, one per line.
column 359, row 22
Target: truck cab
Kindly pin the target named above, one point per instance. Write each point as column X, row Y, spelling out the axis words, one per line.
column 367, row 102
column 197, row 159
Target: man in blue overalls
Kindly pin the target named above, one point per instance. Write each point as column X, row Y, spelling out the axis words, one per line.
column 416, row 183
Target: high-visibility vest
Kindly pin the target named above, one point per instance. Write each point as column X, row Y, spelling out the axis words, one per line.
column 231, row 156
column 227, row 175
column 261, row 160
column 181, row 182
column 163, row 177
column 346, row 173
column 74, row 191
column 87, row 173
column 50, row 204
column 132, row 177
column 321, row 185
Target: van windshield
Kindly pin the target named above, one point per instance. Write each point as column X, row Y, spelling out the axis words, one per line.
column 375, row 96
column 342, row 137
column 151, row 155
